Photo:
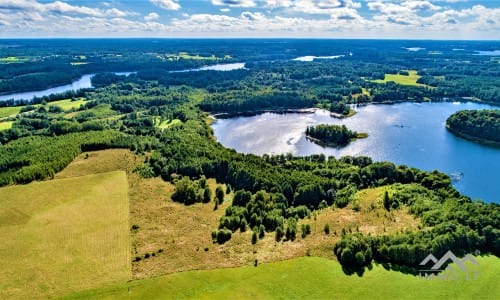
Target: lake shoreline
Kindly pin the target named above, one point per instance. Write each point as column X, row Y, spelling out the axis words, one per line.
column 226, row 115
column 474, row 139
column 404, row 133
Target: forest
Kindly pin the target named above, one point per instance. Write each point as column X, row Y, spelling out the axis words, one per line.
column 168, row 118
column 482, row 125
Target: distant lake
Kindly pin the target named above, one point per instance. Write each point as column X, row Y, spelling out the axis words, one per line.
column 312, row 57
column 217, row 67
column 408, row 133
column 82, row 83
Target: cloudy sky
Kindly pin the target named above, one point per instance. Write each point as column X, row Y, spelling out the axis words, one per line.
column 409, row 19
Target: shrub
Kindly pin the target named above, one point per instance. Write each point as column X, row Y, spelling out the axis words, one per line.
column 223, row 235
column 262, row 231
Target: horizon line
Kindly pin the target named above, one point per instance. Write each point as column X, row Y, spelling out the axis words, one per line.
column 241, row 38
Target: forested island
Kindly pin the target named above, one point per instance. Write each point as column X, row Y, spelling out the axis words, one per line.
column 477, row 125
column 332, row 135
column 366, row 211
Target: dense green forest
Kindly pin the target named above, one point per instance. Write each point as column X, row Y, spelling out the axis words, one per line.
column 332, row 135
column 271, row 73
column 168, row 117
column 481, row 125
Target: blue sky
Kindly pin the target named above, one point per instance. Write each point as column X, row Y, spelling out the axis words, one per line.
column 408, row 19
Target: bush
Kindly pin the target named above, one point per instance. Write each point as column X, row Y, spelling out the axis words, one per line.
column 223, row 235
column 219, row 194
column 254, row 238
column 262, row 231
column 243, row 225
column 207, row 195
column 279, row 233
column 327, row 228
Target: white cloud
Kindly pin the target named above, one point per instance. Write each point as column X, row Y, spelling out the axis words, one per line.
column 420, row 5
column 167, row 4
column 235, row 3
column 151, row 16
column 339, row 18
column 278, row 3
column 327, row 7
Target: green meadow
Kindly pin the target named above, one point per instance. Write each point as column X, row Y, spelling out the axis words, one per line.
column 305, row 278
column 410, row 79
column 9, row 111
column 68, row 104
column 64, row 235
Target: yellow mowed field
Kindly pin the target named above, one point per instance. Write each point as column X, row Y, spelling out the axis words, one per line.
column 64, row 235
column 6, row 125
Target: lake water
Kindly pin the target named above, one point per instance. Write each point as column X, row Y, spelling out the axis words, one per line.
column 82, row 83
column 217, row 67
column 408, row 133
column 312, row 57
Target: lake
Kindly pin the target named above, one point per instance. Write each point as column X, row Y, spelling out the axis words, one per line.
column 216, row 67
column 82, row 83
column 85, row 82
column 408, row 133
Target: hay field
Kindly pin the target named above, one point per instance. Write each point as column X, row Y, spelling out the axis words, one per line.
column 64, row 235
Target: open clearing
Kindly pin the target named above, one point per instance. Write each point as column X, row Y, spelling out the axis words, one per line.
column 410, row 79
column 6, row 125
column 177, row 238
column 305, row 278
column 64, row 235
column 68, row 104
column 9, row 111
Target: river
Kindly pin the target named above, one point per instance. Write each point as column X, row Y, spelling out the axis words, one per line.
column 408, row 133
column 83, row 83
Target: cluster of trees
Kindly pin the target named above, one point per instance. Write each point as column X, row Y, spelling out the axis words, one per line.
column 190, row 192
column 451, row 223
column 244, row 102
column 263, row 212
column 331, row 135
column 477, row 124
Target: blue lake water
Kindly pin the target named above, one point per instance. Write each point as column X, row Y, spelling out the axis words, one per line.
column 83, row 83
column 408, row 133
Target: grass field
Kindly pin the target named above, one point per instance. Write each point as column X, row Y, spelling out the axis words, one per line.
column 64, row 235
column 6, row 125
column 305, row 278
column 9, row 111
column 187, row 56
column 411, row 79
column 12, row 59
column 68, row 104
column 166, row 123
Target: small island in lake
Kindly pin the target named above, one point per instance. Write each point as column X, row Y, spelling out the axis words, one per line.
column 481, row 126
column 332, row 135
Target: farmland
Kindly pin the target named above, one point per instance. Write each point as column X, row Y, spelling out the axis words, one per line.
column 64, row 235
